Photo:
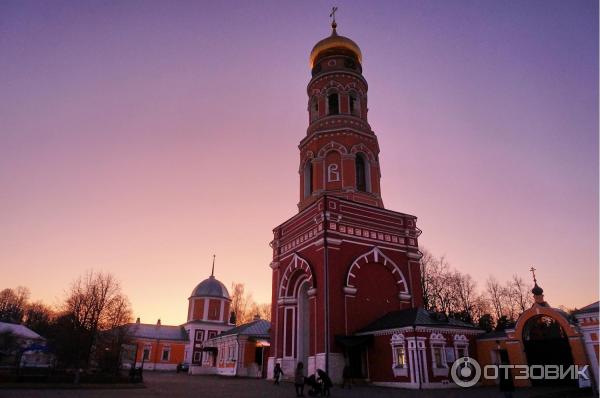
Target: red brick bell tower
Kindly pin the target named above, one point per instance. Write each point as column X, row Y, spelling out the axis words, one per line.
column 343, row 260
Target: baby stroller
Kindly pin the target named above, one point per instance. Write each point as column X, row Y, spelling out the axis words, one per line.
column 316, row 387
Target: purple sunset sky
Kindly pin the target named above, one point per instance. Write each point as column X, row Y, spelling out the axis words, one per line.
column 141, row 137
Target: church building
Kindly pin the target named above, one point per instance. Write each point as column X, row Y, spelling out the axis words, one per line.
column 164, row 347
column 345, row 272
column 208, row 315
column 207, row 343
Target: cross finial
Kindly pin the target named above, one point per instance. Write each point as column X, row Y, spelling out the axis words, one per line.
column 332, row 16
column 533, row 273
column 212, row 273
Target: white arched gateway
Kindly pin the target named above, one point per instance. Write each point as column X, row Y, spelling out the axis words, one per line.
column 296, row 288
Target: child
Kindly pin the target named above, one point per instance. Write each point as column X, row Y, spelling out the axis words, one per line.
column 277, row 373
column 299, row 380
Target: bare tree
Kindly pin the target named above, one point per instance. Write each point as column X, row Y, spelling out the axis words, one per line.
column 480, row 307
column 519, row 292
column 443, row 287
column 244, row 307
column 13, row 303
column 465, row 293
column 38, row 317
column 241, row 303
column 494, row 291
column 94, row 303
column 428, row 264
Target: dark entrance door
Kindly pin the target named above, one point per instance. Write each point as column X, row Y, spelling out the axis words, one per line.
column 356, row 362
column 355, row 348
column 546, row 344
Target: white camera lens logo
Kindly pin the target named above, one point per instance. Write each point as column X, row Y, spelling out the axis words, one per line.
column 465, row 372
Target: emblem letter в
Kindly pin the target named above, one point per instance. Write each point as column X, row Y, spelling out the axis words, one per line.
column 333, row 173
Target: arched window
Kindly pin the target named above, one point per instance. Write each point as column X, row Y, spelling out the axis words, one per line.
column 361, row 175
column 333, row 104
column 314, row 109
column 308, row 179
column 353, row 104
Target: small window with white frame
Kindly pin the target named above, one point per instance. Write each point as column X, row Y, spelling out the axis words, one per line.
column 166, row 354
column 146, row 353
column 438, row 354
column 461, row 346
column 398, row 355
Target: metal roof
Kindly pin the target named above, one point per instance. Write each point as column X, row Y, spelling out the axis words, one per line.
column 19, row 331
column 590, row 308
column 157, row 332
column 211, row 287
column 414, row 317
column 258, row 328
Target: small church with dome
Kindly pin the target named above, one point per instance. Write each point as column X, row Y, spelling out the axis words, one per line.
column 207, row 343
column 208, row 315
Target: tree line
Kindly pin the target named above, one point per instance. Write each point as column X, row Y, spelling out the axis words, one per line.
column 84, row 329
column 496, row 305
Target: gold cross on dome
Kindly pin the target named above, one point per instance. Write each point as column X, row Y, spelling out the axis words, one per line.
column 533, row 273
column 332, row 14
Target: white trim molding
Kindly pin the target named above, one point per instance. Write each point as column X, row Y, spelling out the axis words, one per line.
column 375, row 255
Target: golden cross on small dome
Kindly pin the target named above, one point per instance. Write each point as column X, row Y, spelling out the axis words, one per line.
column 332, row 16
column 533, row 273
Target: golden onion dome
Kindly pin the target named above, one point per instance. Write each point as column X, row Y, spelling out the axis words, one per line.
column 334, row 42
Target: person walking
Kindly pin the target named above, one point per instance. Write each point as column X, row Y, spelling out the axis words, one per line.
column 299, row 380
column 277, row 373
column 326, row 381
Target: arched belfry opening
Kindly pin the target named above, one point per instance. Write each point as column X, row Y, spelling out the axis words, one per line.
column 308, row 179
column 361, row 179
column 333, row 103
column 363, row 174
column 314, row 109
column 353, row 104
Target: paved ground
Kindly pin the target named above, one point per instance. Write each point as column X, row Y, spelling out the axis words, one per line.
column 172, row 385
